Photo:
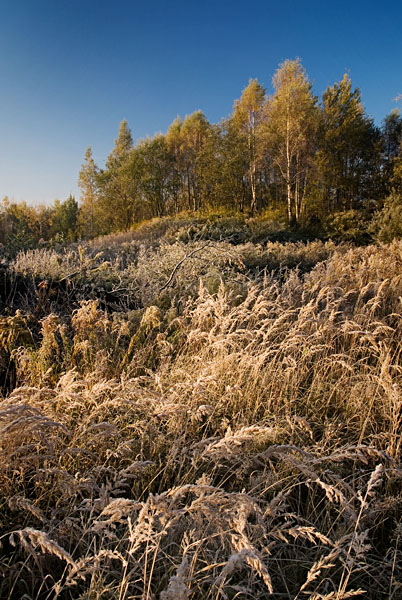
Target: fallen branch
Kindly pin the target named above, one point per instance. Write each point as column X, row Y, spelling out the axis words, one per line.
column 178, row 265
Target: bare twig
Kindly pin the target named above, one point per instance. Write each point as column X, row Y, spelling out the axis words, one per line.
column 178, row 265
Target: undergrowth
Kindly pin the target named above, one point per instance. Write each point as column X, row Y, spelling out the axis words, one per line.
column 194, row 419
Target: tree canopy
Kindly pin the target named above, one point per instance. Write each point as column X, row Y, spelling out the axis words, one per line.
column 314, row 163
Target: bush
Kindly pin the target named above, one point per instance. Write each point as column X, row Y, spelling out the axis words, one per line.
column 387, row 224
column 348, row 226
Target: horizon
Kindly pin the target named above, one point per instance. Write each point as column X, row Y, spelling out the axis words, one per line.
column 71, row 75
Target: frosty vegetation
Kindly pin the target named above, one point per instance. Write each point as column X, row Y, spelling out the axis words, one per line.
column 184, row 417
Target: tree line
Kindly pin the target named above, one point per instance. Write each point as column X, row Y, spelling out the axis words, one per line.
column 312, row 163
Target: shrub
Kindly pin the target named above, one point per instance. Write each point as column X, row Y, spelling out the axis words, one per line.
column 348, row 226
column 387, row 224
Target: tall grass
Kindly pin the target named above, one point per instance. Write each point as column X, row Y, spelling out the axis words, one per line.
column 240, row 439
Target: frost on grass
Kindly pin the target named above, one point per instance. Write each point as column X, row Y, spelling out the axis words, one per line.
column 236, row 435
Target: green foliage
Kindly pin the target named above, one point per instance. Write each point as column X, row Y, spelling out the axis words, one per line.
column 396, row 179
column 392, row 128
column 64, row 220
column 123, row 145
column 247, row 119
column 387, row 224
column 188, row 141
column 284, row 154
column 117, row 187
column 208, row 403
column 290, row 134
column 349, row 155
column 348, row 226
column 89, row 219
column 392, row 134
column 153, row 168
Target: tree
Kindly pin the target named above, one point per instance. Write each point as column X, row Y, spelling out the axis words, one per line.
column 392, row 133
column 247, row 117
column 88, row 182
column 64, row 219
column 118, row 189
column 194, row 134
column 392, row 137
column 348, row 160
column 122, row 147
column 396, row 179
column 43, row 218
column 153, row 165
column 19, row 225
column 173, row 141
column 291, row 133
column 387, row 222
column 187, row 140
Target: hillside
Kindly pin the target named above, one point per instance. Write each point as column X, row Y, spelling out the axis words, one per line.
column 196, row 411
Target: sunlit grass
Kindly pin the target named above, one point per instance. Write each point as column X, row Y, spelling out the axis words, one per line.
column 235, row 435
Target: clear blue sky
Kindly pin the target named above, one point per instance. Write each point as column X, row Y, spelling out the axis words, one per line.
column 71, row 70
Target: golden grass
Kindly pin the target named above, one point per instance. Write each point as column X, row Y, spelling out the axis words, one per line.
column 244, row 446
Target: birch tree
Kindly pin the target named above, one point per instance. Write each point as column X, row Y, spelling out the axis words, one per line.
column 291, row 133
column 247, row 117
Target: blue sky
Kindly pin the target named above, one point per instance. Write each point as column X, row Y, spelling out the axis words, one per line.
column 71, row 70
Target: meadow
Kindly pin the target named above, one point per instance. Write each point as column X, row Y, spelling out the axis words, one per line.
column 194, row 412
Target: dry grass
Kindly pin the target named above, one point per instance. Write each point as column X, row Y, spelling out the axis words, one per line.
column 241, row 441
